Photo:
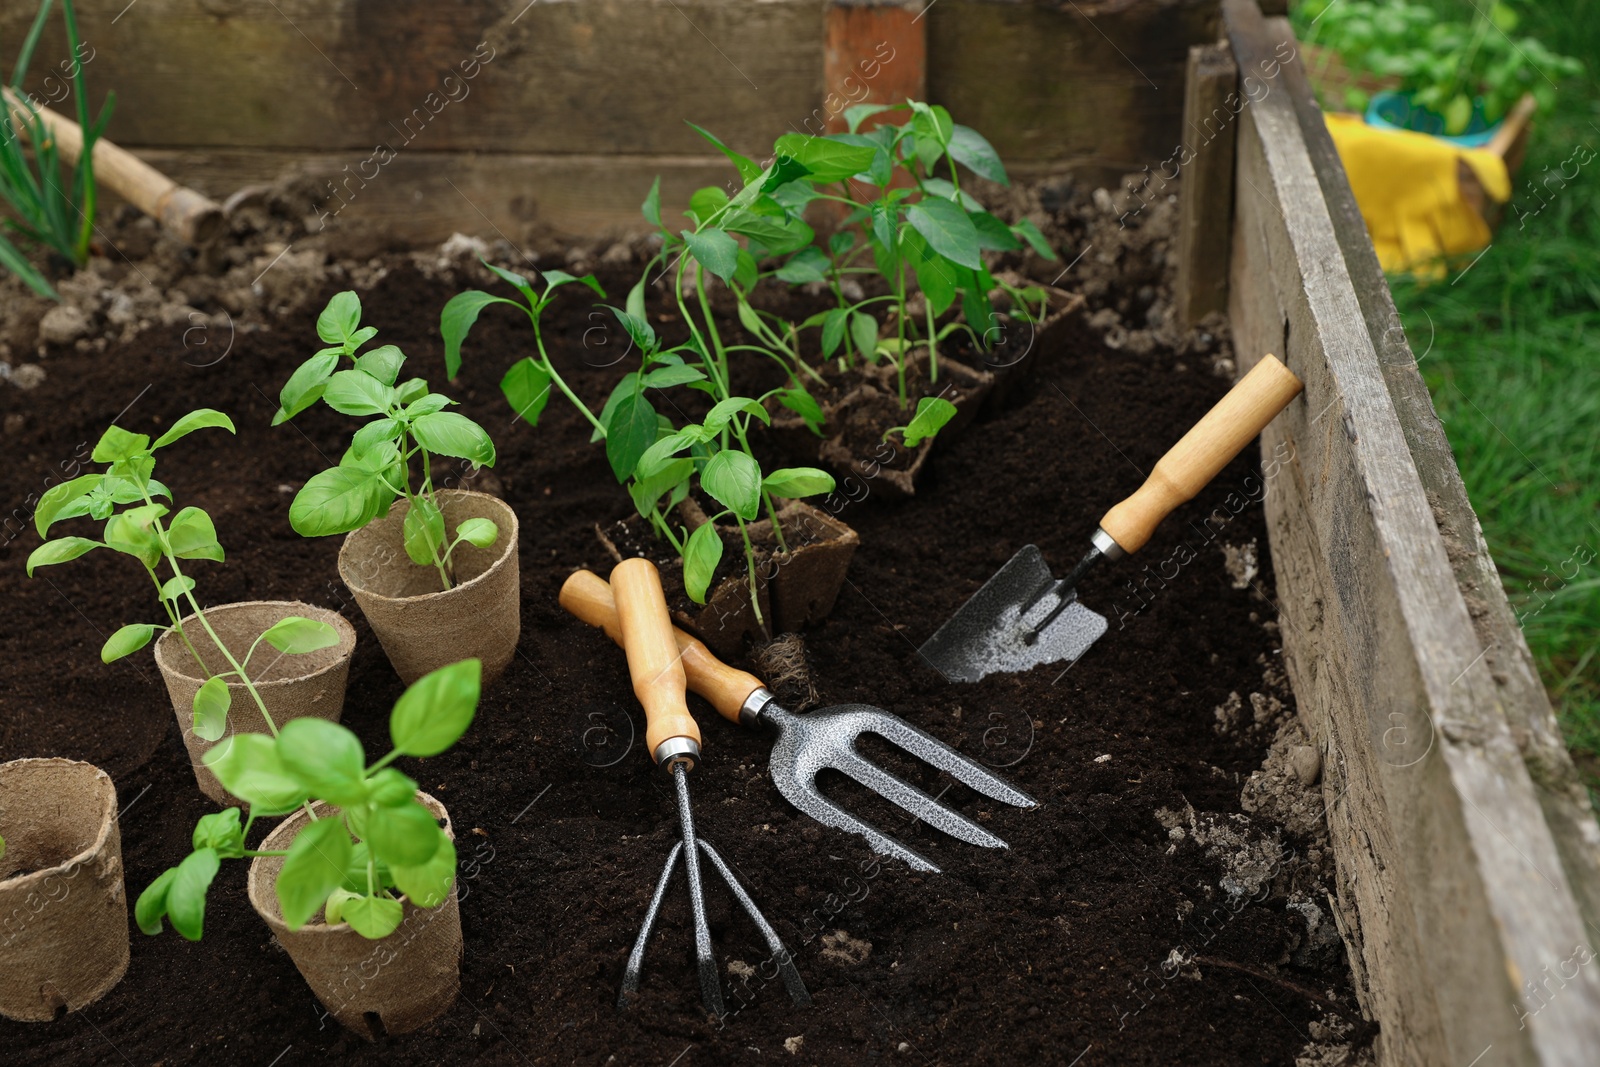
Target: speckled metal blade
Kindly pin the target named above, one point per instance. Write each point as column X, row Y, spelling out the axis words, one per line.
column 989, row 635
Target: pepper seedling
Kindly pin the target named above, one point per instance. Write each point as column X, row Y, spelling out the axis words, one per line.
column 138, row 530
column 376, row 469
column 932, row 414
column 355, row 864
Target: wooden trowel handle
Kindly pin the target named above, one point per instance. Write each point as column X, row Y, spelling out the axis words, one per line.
column 1202, row 452
column 589, row 597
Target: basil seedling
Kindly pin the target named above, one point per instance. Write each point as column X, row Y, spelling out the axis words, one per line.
column 354, row 864
column 139, row 530
column 411, row 422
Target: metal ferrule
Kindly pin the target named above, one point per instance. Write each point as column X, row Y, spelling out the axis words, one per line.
column 676, row 750
column 1107, row 546
column 750, row 710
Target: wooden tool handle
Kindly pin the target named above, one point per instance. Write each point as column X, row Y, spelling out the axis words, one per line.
column 658, row 678
column 588, row 596
column 193, row 217
column 1202, row 452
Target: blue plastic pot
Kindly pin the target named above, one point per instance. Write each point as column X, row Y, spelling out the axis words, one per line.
column 1397, row 111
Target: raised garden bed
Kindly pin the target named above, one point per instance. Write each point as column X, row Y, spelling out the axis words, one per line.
column 558, row 841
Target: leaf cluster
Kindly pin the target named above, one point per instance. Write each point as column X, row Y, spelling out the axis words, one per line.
column 355, row 864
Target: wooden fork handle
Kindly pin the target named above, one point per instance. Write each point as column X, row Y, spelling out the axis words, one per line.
column 589, row 597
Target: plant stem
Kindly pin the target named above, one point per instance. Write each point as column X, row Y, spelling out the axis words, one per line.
column 177, row 623
column 550, row 369
column 933, row 347
column 750, row 566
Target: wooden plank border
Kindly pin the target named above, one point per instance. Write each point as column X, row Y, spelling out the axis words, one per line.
column 1465, row 910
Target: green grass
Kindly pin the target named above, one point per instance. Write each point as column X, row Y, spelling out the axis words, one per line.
column 1510, row 347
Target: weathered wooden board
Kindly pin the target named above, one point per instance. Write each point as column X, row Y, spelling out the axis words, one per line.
column 1205, row 196
column 1463, row 890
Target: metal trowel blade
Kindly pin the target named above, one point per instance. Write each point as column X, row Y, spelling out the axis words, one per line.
column 989, row 635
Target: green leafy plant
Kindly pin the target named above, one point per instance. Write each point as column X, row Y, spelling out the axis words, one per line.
column 1453, row 69
column 919, row 226
column 353, row 864
column 141, row 530
column 56, row 215
column 933, row 412
column 410, row 423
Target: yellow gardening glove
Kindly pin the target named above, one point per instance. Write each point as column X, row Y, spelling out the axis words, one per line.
column 1410, row 198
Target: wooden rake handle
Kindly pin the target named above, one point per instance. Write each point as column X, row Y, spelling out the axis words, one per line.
column 589, row 597
column 1201, row 453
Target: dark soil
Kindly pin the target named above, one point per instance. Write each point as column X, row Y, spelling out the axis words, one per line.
column 1051, row 950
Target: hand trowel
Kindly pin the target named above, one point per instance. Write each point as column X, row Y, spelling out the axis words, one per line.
column 1024, row 616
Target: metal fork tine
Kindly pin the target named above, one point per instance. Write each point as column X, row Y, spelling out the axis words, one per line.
column 630, row 975
column 809, row 799
column 963, row 768
column 786, row 967
column 916, row 801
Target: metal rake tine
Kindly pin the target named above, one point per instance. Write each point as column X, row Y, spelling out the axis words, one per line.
column 630, row 974
column 810, row 800
column 705, row 958
column 786, row 967
column 964, row 769
column 915, row 801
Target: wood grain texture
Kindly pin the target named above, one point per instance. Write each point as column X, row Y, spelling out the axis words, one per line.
column 872, row 53
column 1205, row 196
column 588, row 597
column 1442, row 843
column 653, row 661
column 1188, row 466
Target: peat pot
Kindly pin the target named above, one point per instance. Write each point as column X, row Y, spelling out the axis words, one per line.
column 391, row 985
column 421, row 626
column 63, row 910
column 310, row 684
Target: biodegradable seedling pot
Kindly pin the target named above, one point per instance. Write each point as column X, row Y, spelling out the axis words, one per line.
column 804, row 582
column 400, row 982
column 292, row 687
column 63, row 910
column 421, row 626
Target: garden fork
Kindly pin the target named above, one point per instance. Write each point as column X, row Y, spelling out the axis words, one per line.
column 809, row 743
column 642, row 626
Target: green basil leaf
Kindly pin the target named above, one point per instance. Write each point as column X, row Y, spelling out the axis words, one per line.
column 313, row 868
column 338, row 501
column 648, row 489
column 805, row 405
column 186, row 893
column 428, row 885
column 432, row 715
column 446, row 433
column 701, row 554
column 340, row 318
column 734, row 480
column 480, row 533
column 57, row 499
column 355, row 392
column 373, row 434
column 126, row 641
column 60, row 550
column 248, row 766
column 673, row 374
column 427, row 404
column 326, row 758
column 402, row 835
column 423, row 531
column 389, row 788
column 373, row 917
column 296, row 635
column 195, row 420
column 796, row 482
column 222, row 831
column 333, row 908
column 173, row 588
column 211, row 703
column 152, row 905
column 723, row 410
column 305, row 386
column 382, row 363
column 117, row 443
column 192, row 535
column 932, row 414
